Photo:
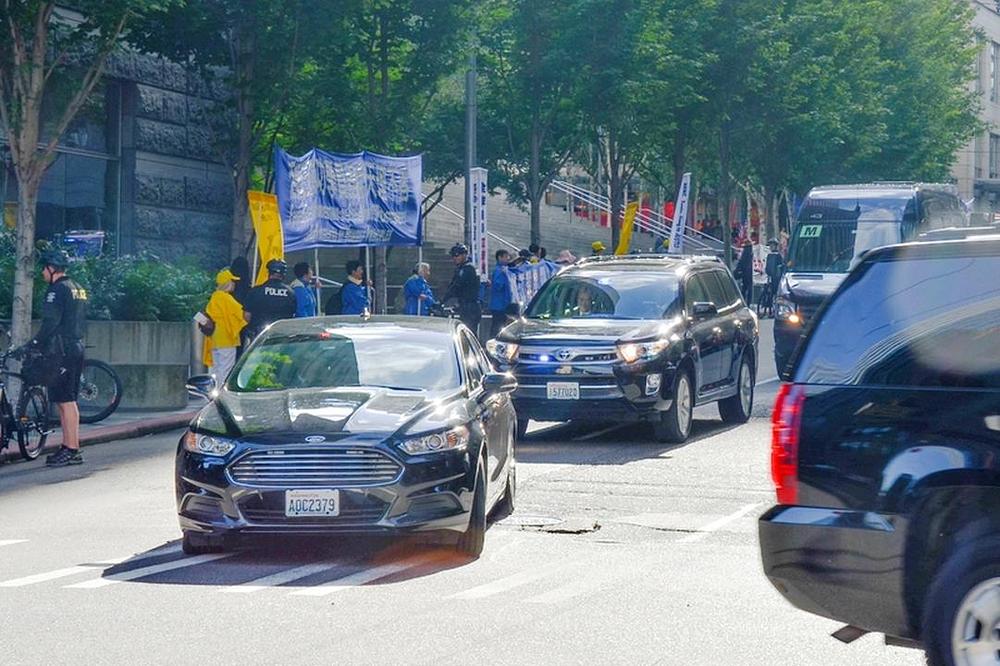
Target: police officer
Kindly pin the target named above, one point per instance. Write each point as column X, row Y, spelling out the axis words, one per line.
column 270, row 301
column 64, row 318
column 465, row 288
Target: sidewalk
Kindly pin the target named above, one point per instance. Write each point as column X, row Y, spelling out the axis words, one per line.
column 120, row 425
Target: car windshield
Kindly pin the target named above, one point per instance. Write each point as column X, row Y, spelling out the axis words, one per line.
column 355, row 356
column 625, row 294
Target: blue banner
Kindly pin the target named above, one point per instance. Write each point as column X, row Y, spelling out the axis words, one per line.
column 333, row 200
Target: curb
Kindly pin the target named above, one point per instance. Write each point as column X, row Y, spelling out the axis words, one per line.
column 113, row 433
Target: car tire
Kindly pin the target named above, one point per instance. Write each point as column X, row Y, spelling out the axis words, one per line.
column 505, row 506
column 472, row 540
column 193, row 543
column 737, row 409
column 949, row 607
column 674, row 424
column 522, row 427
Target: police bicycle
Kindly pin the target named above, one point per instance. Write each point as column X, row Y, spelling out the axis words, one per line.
column 26, row 419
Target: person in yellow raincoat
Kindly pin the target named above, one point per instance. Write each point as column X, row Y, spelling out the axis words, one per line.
column 226, row 314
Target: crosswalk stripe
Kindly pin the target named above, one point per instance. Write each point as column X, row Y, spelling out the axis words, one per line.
column 81, row 568
column 149, row 571
column 11, row 542
column 280, row 578
column 359, row 578
column 505, row 584
column 716, row 525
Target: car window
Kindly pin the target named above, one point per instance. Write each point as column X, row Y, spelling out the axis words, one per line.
column 918, row 322
column 485, row 365
column 472, row 366
column 717, row 292
column 695, row 291
column 607, row 294
column 729, row 287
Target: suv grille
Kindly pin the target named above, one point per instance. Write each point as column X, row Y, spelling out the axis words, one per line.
column 311, row 467
column 567, row 354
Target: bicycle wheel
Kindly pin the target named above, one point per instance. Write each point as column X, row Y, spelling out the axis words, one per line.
column 32, row 422
column 100, row 391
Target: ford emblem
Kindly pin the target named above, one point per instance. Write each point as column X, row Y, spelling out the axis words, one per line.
column 315, row 439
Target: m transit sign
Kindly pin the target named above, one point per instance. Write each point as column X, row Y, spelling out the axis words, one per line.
column 360, row 200
column 478, row 231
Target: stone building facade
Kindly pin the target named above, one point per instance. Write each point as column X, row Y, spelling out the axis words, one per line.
column 142, row 164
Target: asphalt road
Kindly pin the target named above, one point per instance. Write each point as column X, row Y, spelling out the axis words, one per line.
column 620, row 551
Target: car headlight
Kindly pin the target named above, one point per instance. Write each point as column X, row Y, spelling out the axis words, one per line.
column 208, row 445
column 630, row 352
column 502, row 351
column 784, row 309
column 455, row 439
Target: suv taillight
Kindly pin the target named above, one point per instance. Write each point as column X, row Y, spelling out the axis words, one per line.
column 786, row 421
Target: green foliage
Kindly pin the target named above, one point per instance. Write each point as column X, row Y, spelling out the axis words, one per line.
column 124, row 288
column 265, row 374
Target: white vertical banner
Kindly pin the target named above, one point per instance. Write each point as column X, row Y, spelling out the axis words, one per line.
column 680, row 216
column 479, row 238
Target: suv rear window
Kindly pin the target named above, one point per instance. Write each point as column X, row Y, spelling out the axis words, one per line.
column 910, row 322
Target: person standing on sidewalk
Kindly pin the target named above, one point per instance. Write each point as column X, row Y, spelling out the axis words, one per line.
column 271, row 301
column 64, row 320
column 500, row 294
column 419, row 298
column 464, row 288
column 226, row 314
column 304, row 286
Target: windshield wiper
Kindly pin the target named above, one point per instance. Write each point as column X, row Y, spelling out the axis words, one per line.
column 391, row 388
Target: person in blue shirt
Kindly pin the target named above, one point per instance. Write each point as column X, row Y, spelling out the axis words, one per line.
column 500, row 295
column 419, row 297
column 304, row 287
column 354, row 293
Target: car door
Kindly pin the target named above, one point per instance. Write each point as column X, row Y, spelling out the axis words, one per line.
column 702, row 329
column 727, row 323
column 488, row 408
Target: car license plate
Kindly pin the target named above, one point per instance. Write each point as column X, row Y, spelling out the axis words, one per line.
column 312, row 503
column 563, row 391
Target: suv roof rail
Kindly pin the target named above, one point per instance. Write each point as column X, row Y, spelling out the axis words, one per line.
column 959, row 233
column 887, row 184
column 671, row 258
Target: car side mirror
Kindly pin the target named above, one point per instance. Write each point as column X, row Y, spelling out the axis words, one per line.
column 499, row 382
column 704, row 310
column 515, row 310
column 201, row 385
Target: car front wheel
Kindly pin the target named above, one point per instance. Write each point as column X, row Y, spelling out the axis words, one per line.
column 472, row 540
column 674, row 424
column 962, row 610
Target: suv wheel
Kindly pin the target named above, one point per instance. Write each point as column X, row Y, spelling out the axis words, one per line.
column 737, row 408
column 962, row 610
column 674, row 425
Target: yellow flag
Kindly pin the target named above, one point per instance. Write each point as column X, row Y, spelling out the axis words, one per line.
column 626, row 236
column 267, row 226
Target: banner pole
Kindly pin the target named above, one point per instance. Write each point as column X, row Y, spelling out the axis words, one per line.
column 368, row 274
column 319, row 283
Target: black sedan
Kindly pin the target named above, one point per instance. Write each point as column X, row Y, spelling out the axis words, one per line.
column 339, row 424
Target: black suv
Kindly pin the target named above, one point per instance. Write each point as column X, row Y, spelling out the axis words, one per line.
column 886, row 453
column 633, row 338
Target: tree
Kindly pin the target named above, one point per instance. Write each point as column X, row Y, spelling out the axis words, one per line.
column 50, row 62
column 530, row 121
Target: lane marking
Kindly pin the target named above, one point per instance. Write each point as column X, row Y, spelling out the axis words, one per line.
column 280, row 578
column 716, row 525
column 11, row 542
column 354, row 580
column 768, row 381
column 505, row 584
column 149, row 571
column 569, row 591
column 80, row 568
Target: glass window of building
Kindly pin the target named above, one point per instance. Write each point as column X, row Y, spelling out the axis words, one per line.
column 994, row 57
column 994, row 156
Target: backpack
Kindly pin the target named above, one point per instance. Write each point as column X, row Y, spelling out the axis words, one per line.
column 335, row 305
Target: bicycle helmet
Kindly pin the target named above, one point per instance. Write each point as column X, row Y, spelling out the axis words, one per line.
column 277, row 267
column 457, row 250
column 54, row 258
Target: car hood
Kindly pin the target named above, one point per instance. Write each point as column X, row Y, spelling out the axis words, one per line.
column 592, row 330
column 332, row 413
column 812, row 286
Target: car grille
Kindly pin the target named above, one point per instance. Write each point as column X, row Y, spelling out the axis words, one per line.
column 359, row 516
column 566, row 354
column 314, row 468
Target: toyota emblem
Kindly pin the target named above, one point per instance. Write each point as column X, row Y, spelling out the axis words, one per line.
column 315, row 439
column 564, row 354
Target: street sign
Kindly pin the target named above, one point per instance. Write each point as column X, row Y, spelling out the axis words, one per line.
column 680, row 217
column 478, row 232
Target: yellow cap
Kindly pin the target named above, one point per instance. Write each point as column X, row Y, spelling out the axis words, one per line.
column 224, row 276
column 597, row 246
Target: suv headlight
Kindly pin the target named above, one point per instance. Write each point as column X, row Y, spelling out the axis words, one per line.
column 502, row 351
column 785, row 309
column 630, row 352
column 455, row 439
column 208, row 445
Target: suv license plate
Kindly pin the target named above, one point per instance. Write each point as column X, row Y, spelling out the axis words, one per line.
column 312, row 503
column 563, row 391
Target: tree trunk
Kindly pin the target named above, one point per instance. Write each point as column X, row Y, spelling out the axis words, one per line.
column 24, row 267
column 770, row 200
column 678, row 159
column 724, row 192
column 536, row 218
column 616, row 188
column 241, row 230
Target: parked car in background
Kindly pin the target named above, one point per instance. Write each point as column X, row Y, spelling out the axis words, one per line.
column 835, row 226
column 633, row 338
column 342, row 425
column 886, row 453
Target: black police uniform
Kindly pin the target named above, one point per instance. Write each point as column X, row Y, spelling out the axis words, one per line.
column 465, row 288
column 268, row 303
column 64, row 322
